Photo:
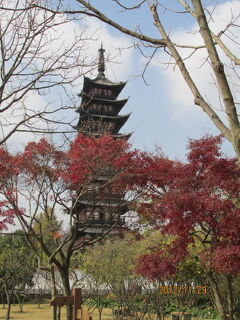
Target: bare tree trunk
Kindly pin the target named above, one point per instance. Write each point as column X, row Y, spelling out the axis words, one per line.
column 217, row 298
column 100, row 313
column 20, row 303
column 54, row 291
column 8, row 310
column 229, row 296
column 3, row 301
column 64, row 273
column 9, row 302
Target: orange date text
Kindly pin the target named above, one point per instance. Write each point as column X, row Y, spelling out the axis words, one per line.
column 183, row 289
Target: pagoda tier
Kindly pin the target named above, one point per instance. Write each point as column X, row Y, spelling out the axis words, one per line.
column 101, row 106
column 102, row 87
column 99, row 211
column 99, row 109
column 100, row 124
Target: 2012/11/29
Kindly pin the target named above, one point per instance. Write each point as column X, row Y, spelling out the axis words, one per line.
column 183, row 290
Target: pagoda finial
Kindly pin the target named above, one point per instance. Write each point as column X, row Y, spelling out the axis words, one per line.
column 101, row 63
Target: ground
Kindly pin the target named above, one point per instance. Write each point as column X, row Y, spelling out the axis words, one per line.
column 32, row 312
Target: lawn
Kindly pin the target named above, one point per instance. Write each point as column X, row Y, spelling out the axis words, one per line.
column 32, row 312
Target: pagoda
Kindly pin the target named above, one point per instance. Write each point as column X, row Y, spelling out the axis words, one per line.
column 99, row 212
column 99, row 110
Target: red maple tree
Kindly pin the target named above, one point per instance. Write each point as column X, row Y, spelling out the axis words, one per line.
column 195, row 201
column 43, row 177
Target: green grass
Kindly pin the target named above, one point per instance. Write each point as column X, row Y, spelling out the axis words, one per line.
column 32, row 312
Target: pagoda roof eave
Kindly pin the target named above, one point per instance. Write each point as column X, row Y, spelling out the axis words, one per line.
column 102, row 83
column 119, row 104
column 99, row 230
column 86, row 96
column 116, row 118
column 104, row 203
column 125, row 136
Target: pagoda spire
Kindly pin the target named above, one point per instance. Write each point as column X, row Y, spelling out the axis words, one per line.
column 101, row 63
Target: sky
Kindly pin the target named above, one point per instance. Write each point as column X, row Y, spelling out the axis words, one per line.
column 162, row 111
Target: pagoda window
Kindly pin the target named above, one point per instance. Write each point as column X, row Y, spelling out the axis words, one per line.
column 115, row 189
column 115, row 217
column 101, row 92
column 96, row 190
column 85, row 124
column 106, row 127
column 88, row 213
column 88, row 124
column 96, row 215
column 99, row 125
column 90, row 192
column 111, row 126
column 93, row 91
column 94, row 107
column 93, row 124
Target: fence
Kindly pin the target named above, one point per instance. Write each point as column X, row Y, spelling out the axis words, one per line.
column 181, row 316
column 76, row 301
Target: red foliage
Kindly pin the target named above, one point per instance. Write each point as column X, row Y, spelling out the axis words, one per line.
column 9, row 170
column 226, row 259
column 42, row 158
column 198, row 197
column 59, row 175
column 6, row 215
column 156, row 265
column 91, row 158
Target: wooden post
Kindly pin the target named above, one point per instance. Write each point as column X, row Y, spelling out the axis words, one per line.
column 181, row 316
column 75, row 300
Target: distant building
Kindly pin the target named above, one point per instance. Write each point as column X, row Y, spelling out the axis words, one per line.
column 100, row 209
